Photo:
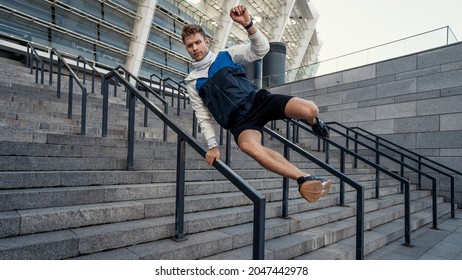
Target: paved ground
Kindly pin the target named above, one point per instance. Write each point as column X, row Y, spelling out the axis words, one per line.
column 445, row 243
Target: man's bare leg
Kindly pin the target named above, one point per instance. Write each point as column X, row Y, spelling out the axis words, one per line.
column 250, row 143
column 310, row 187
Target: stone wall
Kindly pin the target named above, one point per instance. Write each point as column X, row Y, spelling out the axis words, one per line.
column 414, row 101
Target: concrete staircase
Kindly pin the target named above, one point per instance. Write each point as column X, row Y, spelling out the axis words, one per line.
column 63, row 195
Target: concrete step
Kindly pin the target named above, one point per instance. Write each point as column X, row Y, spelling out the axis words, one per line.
column 39, row 197
column 87, row 206
column 376, row 237
column 317, row 242
column 286, row 238
column 110, row 236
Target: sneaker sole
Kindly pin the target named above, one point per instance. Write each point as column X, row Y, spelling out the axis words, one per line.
column 313, row 190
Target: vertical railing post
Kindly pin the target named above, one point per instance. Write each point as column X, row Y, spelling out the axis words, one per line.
column 184, row 98
column 180, row 189
column 221, row 136
column 105, row 88
column 228, row 148
column 84, row 111
column 347, row 139
column 131, row 128
column 70, row 97
column 355, row 160
column 326, row 150
column 407, row 214
column 58, row 92
column 435, row 204
column 342, row 183
column 447, row 35
column 377, row 172
column 194, row 125
column 360, row 224
column 84, row 73
column 259, row 229
column 402, row 171
column 116, row 83
column 42, row 74
column 93, row 81
column 453, row 202
column 419, row 176
column 29, row 58
column 146, row 110
column 179, row 102
column 127, row 92
column 36, row 70
column 285, row 180
column 165, row 124
column 273, row 127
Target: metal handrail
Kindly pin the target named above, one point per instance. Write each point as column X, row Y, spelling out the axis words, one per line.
column 183, row 138
column 411, row 152
column 30, row 57
column 333, row 171
column 403, row 181
column 165, row 81
column 402, row 164
column 418, row 161
column 147, row 89
column 158, row 77
column 93, row 72
column 72, row 77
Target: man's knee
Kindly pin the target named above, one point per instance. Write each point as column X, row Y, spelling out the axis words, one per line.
column 250, row 148
column 301, row 108
column 311, row 107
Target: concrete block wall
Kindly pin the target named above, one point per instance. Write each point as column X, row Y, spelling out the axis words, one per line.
column 414, row 101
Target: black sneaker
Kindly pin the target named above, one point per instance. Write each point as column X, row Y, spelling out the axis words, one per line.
column 312, row 188
column 319, row 128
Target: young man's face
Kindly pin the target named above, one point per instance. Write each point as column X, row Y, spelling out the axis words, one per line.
column 197, row 46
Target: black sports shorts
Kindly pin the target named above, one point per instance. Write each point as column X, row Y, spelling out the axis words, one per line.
column 265, row 107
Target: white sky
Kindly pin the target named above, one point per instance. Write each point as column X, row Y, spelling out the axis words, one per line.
column 347, row 26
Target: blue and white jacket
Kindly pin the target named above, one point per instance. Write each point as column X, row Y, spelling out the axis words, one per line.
column 218, row 86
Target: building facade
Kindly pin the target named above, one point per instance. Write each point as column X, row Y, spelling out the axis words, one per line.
column 144, row 35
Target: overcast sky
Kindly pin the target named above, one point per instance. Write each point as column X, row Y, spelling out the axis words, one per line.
column 346, row 26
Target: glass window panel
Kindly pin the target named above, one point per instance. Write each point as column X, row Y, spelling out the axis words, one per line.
column 131, row 5
column 113, row 38
column 118, row 19
column 17, row 27
column 168, row 5
column 159, row 38
column 108, row 57
column 91, row 7
column 63, row 42
column 177, row 64
column 76, row 23
column 147, row 70
column 163, row 21
column 38, row 9
column 174, row 76
column 84, row 49
column 179, row 48
column 154, row 54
